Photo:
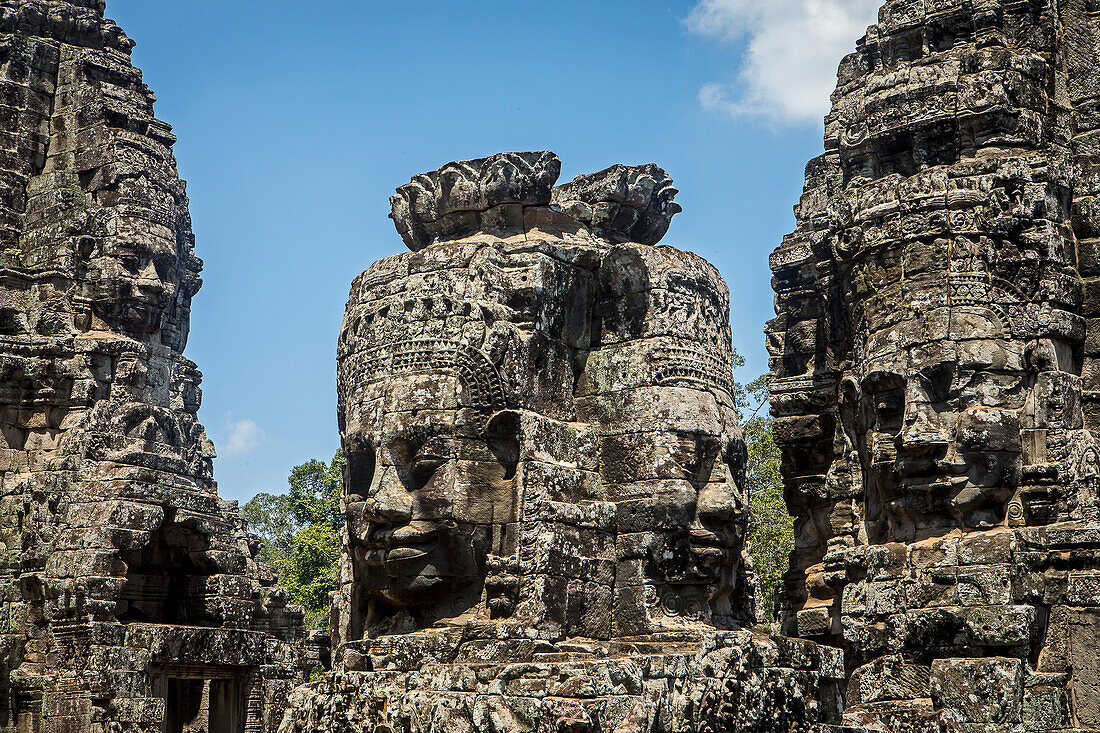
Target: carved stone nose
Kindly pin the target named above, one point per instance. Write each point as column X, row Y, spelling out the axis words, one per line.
column 718, row 502
column 389, row 501
column 921, row 431
column 149, row 280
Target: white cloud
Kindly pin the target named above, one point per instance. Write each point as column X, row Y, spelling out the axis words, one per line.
column 793, row 50
column 243, row 436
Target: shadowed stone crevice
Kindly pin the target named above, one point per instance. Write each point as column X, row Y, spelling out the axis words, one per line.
column 166, row 579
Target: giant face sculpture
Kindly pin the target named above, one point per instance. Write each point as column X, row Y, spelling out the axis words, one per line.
column 430, row 480
column 672, row 455
column 131, row 285
column 545, row 474
column 539, row 423
column 137, row 274
column 127, row 244
column 680, row 491
column 935, row 411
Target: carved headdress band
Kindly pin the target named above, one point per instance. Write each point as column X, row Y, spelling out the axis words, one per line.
column 474, row 370
column 691, row 368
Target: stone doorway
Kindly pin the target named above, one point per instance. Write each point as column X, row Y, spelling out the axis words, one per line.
column 203, row 699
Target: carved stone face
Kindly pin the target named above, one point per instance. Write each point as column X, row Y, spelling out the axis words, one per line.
column 941, row 431
column 700, row 487
column 132, row 284
column 672, row 456
column 426, row 487
column 681, row 492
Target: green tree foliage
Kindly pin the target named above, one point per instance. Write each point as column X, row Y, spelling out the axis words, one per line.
column 771, row 528
column 300, row 531
column 314, row 496
column 268, row 517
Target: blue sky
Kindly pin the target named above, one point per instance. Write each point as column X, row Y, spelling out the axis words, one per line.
column 297, row 120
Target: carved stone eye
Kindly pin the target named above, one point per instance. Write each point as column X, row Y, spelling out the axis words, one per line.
column 889, row 403
column 885, row 399
column 424, row 467
column 360, row 470
column 736, row 457
column 937, row 380
column 164, row 266
column 694, row 454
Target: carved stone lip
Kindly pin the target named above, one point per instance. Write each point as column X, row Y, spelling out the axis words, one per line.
column 933, row 482
column 931, row 470
column 149, row 295
column 394, row 541
column 955, row 467
column 710, row 547
column 404, row 554
column 398, row 554
column 704, row 537
column 711, row 553
column 144, row 304
column 135, row 299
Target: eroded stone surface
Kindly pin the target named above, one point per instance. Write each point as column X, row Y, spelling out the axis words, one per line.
column 934, row 370
column 735, row 681
column 545, row 500
column 131, row 600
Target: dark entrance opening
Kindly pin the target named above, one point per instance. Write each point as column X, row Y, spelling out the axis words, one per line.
column 200, row 699
column 166, row 579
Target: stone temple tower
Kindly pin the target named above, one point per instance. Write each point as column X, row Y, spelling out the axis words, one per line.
column 129, row 597
column 545, row 497
column 935, row 375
